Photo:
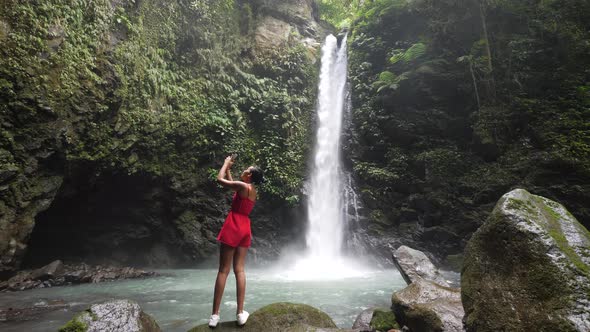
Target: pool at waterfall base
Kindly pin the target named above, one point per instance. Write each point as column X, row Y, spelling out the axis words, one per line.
column 181, row 299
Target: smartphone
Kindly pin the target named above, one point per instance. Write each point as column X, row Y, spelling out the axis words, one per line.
column 234, row 156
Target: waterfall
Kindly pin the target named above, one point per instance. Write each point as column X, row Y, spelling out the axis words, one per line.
column 325, row 213
column 328, row 196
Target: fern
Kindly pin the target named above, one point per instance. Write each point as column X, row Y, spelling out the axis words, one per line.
column 414, row 52
column 388, row 80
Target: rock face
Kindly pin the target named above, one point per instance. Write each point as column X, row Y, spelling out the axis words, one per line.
column 279, row 317
column 286, row 21
column 414, row 264
column 427, row 304
column 115, row 316
column 527, row 268
column 58, row 274
column 363, row 320
column 87, row 174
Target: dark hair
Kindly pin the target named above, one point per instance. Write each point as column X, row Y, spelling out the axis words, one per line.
column 257, row 176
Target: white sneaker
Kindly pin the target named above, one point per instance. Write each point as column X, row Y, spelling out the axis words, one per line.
column 213, row 320
column 243, row 317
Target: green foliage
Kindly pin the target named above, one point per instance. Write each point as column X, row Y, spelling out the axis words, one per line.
column 371, row 172
column 339, row 13
column 151, row 86
column 388, row 80
column 443, row 162
column 455, row 110
column 411, row 54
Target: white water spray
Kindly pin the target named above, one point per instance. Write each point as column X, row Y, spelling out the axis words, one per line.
column 324, row 235
column 326, row 217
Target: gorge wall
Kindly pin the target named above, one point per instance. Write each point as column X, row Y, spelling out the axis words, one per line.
column 115, row 116
column 456, row 102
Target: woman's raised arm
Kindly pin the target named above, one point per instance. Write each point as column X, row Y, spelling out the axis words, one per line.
column 229, row 183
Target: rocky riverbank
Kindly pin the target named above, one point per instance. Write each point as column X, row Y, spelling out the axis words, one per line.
column 58, row 274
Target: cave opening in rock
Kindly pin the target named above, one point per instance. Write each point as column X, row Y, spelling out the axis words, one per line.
column 114, row 219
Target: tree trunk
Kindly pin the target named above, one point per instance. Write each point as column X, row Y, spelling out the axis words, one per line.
column 490, row 84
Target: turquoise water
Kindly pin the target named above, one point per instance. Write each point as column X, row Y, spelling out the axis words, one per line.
column 182, row 299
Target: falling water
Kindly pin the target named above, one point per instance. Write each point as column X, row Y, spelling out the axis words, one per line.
column 324, row 235
column 326, row 212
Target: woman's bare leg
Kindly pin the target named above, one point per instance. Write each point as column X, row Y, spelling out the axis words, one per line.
column 239, row 262
column 226, row 255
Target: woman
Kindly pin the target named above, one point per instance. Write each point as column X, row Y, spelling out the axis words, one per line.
column 235, row 236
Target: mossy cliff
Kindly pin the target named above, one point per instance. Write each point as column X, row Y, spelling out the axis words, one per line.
column 527, row 268
column 115, row 116
column 456, row 102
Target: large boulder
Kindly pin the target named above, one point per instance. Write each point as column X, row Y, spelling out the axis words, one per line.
column 114, row 316
column 428, row 303
column 426, row 306
column 281, row 316
column 527, row 268
column 414, row 264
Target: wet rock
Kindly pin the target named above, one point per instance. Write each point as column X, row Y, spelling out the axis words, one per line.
column 49, row 271
column 281, row 316
column 527, row 268
column 115, row 316
column 414, row 264
column 363, row 320
column 426, row 306
column 58, row 274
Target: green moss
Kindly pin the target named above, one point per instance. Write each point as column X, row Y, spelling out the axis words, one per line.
column 383, row 320
column 279, row 317
column 74, row 326
column 555, row 231
column 283, row 314
column 521, row 205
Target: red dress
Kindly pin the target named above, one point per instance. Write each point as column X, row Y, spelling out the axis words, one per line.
column 235, row 231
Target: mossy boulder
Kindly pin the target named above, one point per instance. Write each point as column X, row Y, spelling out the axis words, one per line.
column 280, row 316
column 427, row 306
column 115, row 316
column 527, row 268
column 383, row 320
